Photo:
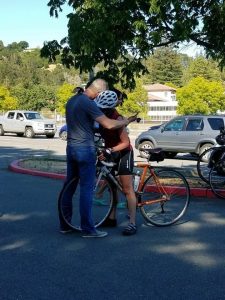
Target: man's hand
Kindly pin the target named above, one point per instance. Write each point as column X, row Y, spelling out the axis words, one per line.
column 133, row 118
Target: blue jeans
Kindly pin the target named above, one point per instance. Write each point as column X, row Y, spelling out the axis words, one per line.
column 81, row 163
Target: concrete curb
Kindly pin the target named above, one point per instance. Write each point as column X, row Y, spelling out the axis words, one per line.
column 14, row 166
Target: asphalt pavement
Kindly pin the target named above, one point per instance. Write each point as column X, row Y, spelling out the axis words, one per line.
column 183, row 261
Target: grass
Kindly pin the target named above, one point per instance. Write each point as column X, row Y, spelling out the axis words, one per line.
column 58, row 166
column 44, row 164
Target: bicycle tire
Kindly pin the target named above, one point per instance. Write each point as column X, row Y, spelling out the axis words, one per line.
column 165, row 213
column 101, row 208
column 217, row 180
column 202, row 164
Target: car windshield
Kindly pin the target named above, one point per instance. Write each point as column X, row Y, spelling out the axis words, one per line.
column 33, row 116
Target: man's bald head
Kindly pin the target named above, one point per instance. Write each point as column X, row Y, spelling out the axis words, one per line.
column 96, row 87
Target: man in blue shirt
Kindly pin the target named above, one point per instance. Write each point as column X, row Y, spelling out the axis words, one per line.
column 81, row 112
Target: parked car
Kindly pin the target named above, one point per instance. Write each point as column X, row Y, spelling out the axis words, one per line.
column 63, row 132
column 191, row 133
column 28, row 123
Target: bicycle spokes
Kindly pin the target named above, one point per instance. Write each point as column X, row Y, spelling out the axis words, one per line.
column 164, row 198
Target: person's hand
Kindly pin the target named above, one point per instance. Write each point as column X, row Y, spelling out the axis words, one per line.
column 105, row 153
column 133, row 118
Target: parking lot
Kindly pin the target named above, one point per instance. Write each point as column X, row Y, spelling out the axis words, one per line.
column 184, row 261
column 57, row 147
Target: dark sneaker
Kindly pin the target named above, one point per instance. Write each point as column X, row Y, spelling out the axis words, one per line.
column 130, row 229
column 109, row 223
column 96, row 234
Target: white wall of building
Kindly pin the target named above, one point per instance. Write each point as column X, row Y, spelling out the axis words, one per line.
column 164, row 105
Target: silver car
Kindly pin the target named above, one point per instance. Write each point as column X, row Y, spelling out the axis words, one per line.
column 191, row 133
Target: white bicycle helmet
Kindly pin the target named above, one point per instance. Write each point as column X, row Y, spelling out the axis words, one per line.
column 106, row 99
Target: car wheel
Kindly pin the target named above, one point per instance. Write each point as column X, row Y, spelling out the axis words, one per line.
column 204, row 148
column 29, row 133
column 63, row 135
column 170, row 154
column 145, row 145
column 1, row 130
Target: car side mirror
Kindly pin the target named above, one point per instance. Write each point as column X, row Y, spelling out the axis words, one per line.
column 21, row 118
column 162, row 129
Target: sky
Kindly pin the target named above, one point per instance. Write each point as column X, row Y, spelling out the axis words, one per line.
column 29, row 20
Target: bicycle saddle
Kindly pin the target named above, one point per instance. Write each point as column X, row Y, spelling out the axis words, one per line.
column 156, row 154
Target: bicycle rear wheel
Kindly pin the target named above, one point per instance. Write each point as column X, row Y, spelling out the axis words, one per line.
column 102, row 203
column 203, row 168
column 217, row 179
column 165, row 198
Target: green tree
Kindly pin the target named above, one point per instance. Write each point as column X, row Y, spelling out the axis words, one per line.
column 63, row 93
column 28, row 68
column 122, row 33
column 202, row 67
column 201, row 96
column 6, row 100
column 1, row 45
column 18, row 46
column 164, row 65
column 21, row 68
column 35, row 98
column 136, row 101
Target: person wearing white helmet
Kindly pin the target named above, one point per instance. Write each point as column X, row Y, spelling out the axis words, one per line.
column 118, row 143
column 106, row 99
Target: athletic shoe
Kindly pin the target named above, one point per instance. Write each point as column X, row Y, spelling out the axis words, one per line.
column 109, row 223
column 130, row 229
column 95, row 234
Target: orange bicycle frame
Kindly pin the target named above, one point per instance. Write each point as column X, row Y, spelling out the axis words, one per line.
column 146, row 167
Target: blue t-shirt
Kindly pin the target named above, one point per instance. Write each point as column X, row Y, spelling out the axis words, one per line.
column 81, row 113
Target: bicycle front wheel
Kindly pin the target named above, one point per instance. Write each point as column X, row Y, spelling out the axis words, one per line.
column 165, row 197
column 203, row 167
column 101, row 208
column 217, row 179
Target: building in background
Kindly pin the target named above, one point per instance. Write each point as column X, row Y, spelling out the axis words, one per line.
column 161, row 102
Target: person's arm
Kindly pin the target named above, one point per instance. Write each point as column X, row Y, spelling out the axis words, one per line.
column 114, row 124
column 124, row 138
column 110, row 123
column 124, row 141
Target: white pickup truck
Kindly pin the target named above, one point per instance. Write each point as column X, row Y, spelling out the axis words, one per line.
column 28, row 123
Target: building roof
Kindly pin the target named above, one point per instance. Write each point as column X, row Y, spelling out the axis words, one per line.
column 152, row 97
column 158, row 87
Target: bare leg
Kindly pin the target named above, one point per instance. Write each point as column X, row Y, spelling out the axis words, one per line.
column 127, row 184
column 100, row 191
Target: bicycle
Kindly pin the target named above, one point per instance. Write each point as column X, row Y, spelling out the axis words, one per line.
column 217, row 177
column 163, row 195
column 210, row 156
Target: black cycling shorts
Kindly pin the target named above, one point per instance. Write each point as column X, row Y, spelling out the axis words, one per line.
column 125, row 162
